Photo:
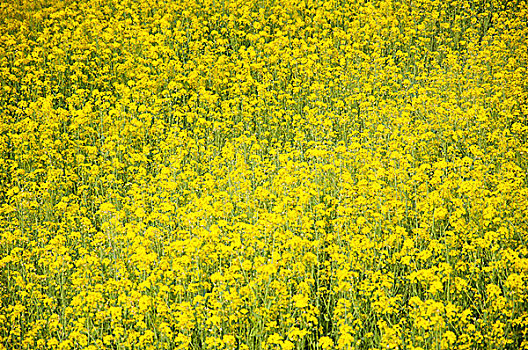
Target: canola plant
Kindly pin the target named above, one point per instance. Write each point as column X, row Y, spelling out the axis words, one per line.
column 263, row 174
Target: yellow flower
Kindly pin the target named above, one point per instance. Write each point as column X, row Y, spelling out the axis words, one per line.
column 326, row 343
column 300, row 300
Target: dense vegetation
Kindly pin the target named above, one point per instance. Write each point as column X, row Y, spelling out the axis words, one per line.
column 217, row 174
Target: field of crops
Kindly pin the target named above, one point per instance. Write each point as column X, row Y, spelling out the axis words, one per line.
column 264, row 174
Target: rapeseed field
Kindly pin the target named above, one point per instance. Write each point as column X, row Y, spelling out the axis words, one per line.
column 263, row 174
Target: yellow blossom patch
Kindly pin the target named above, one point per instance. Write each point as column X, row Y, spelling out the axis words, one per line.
column 263, row 174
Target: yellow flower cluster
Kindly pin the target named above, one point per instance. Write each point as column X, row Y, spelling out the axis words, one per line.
column 279, row 174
